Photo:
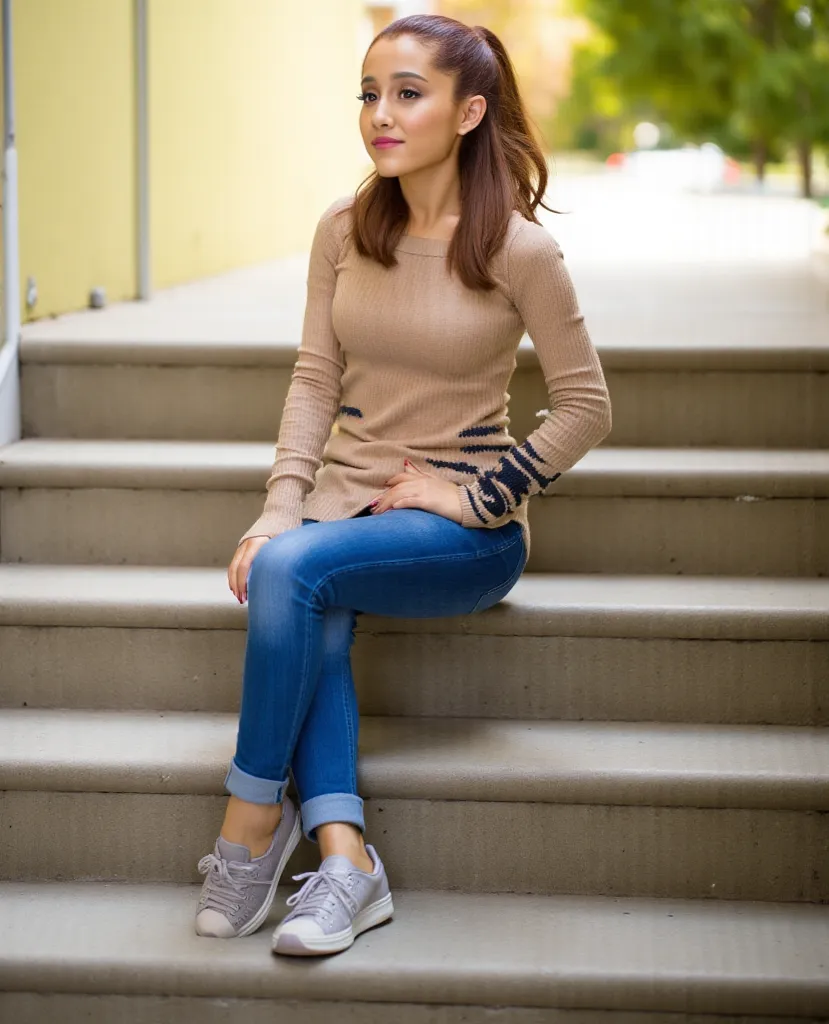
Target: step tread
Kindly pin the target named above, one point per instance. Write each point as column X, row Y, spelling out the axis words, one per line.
column 507, row 950
column 137, row 334
column 639, row 763
column 540, row 604
column 239, row 465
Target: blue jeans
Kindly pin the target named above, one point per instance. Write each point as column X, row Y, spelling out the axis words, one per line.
column 306, row 587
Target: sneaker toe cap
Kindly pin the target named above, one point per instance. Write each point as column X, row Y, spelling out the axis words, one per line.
column 300, row 928
column 303, row 935
column 214, row 924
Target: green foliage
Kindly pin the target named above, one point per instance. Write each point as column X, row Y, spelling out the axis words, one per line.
column 740, row 72
column 593, row 116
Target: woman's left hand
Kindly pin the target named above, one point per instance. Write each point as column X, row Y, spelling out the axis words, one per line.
column 415, row 488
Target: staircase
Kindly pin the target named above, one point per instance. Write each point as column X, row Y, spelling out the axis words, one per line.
column 603, row 799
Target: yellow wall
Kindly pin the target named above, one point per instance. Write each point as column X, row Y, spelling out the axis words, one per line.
column 253, row 131
column 254, row 128
column 75, row 135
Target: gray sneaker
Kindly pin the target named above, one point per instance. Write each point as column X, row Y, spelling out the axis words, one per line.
column 333, row 907
column 238, row 891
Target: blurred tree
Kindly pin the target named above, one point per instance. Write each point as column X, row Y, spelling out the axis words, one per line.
column 787, row 96
column 593, row 116
column 750, row 74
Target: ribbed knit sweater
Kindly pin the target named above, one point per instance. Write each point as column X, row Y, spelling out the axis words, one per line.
column 407, row 362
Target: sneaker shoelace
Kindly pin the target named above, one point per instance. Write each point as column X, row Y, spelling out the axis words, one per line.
column 227, row 882
column 317, row 892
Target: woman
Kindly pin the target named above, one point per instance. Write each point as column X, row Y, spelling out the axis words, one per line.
column 420, row 288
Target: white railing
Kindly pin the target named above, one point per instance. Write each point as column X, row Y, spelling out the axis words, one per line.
column 10, row 427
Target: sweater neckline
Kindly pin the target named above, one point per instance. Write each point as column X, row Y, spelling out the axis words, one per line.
column 429, row 246
column 424, row 246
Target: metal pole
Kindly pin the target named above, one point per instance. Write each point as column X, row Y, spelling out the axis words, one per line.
column 143, row 150
column 10, row 425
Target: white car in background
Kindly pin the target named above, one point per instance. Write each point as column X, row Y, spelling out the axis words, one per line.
column 692, row 168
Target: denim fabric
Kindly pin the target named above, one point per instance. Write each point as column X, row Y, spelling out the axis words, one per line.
column 306, row 587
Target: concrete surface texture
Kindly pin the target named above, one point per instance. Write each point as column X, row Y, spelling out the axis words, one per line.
column 604, row 799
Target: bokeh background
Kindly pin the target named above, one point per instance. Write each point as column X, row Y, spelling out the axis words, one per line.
column 252, row 120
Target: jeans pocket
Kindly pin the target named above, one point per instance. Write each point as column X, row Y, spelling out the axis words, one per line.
column 495, row 594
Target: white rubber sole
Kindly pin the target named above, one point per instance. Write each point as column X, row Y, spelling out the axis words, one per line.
column 368, row 917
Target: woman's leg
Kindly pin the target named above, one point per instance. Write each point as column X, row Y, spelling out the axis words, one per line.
column 403, row 563
column 325, row 759
column 250, row 822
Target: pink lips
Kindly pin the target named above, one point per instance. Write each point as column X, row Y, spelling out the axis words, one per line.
column 386, row 143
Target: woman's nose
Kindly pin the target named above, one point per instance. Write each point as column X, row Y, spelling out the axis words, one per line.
column 380, row 119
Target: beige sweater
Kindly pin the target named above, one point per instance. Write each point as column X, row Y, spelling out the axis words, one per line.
column 406, row 361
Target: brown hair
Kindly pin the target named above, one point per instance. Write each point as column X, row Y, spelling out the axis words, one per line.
column 496, row 159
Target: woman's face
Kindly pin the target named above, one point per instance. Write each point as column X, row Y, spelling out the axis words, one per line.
column 404, row 98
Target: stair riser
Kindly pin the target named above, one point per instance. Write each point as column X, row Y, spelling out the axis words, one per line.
column 525, row 677
column 35, row 1008
column 650, row 408
column 613, row 534
column 682, row 852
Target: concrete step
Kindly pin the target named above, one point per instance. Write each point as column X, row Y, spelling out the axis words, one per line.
column 681, row 392
column 602, row 808
column 651, row 648
column 444, row 957
column 621, row 510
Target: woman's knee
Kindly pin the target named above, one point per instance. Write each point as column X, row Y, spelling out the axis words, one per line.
column 286, row 558
column 338, row 633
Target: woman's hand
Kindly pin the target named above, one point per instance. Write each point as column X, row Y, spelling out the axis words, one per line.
column 237, row 573
column 415, row 488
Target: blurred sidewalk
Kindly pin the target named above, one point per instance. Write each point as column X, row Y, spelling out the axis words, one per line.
column 650, row 267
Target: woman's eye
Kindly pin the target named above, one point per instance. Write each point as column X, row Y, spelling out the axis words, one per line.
column 365, row 95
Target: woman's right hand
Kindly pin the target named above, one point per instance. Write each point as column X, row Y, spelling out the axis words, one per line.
column 237, row 573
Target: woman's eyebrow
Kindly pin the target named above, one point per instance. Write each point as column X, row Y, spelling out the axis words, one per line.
column 397, row 74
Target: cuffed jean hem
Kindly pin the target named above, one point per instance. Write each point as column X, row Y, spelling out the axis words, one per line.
column 250, row 788
column 320, row 810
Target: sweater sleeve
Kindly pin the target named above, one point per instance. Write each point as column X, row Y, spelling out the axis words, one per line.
column 313, row 397
column 579, row 415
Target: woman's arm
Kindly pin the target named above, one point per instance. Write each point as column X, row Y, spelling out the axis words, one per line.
column 579, row 416
column 313, row 397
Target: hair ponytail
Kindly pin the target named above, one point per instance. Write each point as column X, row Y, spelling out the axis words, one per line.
column 522, row 149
